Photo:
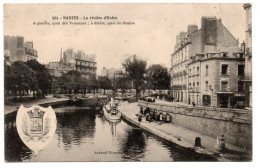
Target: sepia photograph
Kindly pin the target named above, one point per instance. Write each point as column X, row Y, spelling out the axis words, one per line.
column 127, row 82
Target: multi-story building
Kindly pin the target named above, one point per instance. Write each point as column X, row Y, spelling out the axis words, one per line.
column 56, row 69
column 71, row 60
column 104, row 72
column 16, row 49
column 248, row 55
column 112, row 73
column 85, row 64
column 215, row 78
column 212, row 42
column 179, row 62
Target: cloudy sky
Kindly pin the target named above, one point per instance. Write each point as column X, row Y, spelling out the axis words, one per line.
column 152, row 37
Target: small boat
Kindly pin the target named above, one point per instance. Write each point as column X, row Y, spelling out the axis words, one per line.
column 111, row 112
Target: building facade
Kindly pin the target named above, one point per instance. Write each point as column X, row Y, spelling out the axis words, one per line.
column 215, row 79
column 56, row 69
column 112, row 73
column 16, row 49
column 248, row 55
column 71, row 60
column 197, row 61
column 86, row 67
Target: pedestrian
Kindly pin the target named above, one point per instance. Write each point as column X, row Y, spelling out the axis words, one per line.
column 153, row 115
column 141, row 110
column 156, row 115
column 139, row 117
column 161, row 117
column 164, row 118
column 147, row 111
column 147, row 117
column 168, row 118
column 220, row 145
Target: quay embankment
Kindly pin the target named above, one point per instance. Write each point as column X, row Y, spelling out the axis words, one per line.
column 48, row 101
column 234, row 124
column 54, row 102
column 184, row 137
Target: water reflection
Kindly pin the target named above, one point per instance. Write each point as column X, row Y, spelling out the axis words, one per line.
column 74, row 127
column 15, row 150
column 134, row 145
column 85, row 135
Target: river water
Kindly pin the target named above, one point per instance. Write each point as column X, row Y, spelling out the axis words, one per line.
column 85, row 135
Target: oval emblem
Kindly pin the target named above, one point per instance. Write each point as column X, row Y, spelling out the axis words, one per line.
column 36, row 126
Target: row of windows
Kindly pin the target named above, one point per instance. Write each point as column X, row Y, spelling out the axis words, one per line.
column 85, row 63
column 223, row 87
column 194, row 84
column 193, row 72
column 180, row 56
column 90, row 70
column 224, row 70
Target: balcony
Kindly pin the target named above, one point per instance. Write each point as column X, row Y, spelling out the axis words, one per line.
column 86, row 66
column 176, row 87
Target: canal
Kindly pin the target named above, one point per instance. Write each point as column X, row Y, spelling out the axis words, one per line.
column 85, row 135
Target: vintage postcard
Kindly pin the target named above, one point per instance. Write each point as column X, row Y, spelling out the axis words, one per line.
column 149, row 82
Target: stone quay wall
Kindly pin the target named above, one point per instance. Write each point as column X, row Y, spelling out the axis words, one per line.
column 235, row 124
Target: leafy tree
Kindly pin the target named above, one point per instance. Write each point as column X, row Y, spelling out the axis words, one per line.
column 66, row 83
column 55, row 85
column 122, row 83
column 85, row 85
column 93, row 83
column 42, row 74
column 104, row 83
column 7, row 78
column 77, row 80
column 158, row 77
column 22, row 77
column 135, row 69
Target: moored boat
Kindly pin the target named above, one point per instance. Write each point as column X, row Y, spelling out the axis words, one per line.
column 111, row 112
column 113, row 115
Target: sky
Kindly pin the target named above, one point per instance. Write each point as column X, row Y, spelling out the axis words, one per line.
column 152, row 37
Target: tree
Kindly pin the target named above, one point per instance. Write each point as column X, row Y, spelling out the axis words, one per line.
column 122, row 83
column 135, row 69
column 7, row 78
column 42, row 74
column 22, row 77
column 93, row 82
column 158, row 77
column 66, row 83
column 104, row 83
column 77, row 80
column 85, row 84
column 55, row 85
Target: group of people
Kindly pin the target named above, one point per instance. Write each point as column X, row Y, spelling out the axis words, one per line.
column 153, row 115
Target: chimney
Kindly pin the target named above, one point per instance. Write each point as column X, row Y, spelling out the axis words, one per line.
column 208, row 31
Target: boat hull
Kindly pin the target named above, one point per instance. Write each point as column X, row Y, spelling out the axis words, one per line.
column 109, row 117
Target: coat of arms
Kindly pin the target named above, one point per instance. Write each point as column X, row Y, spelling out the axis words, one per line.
column 36, row 126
